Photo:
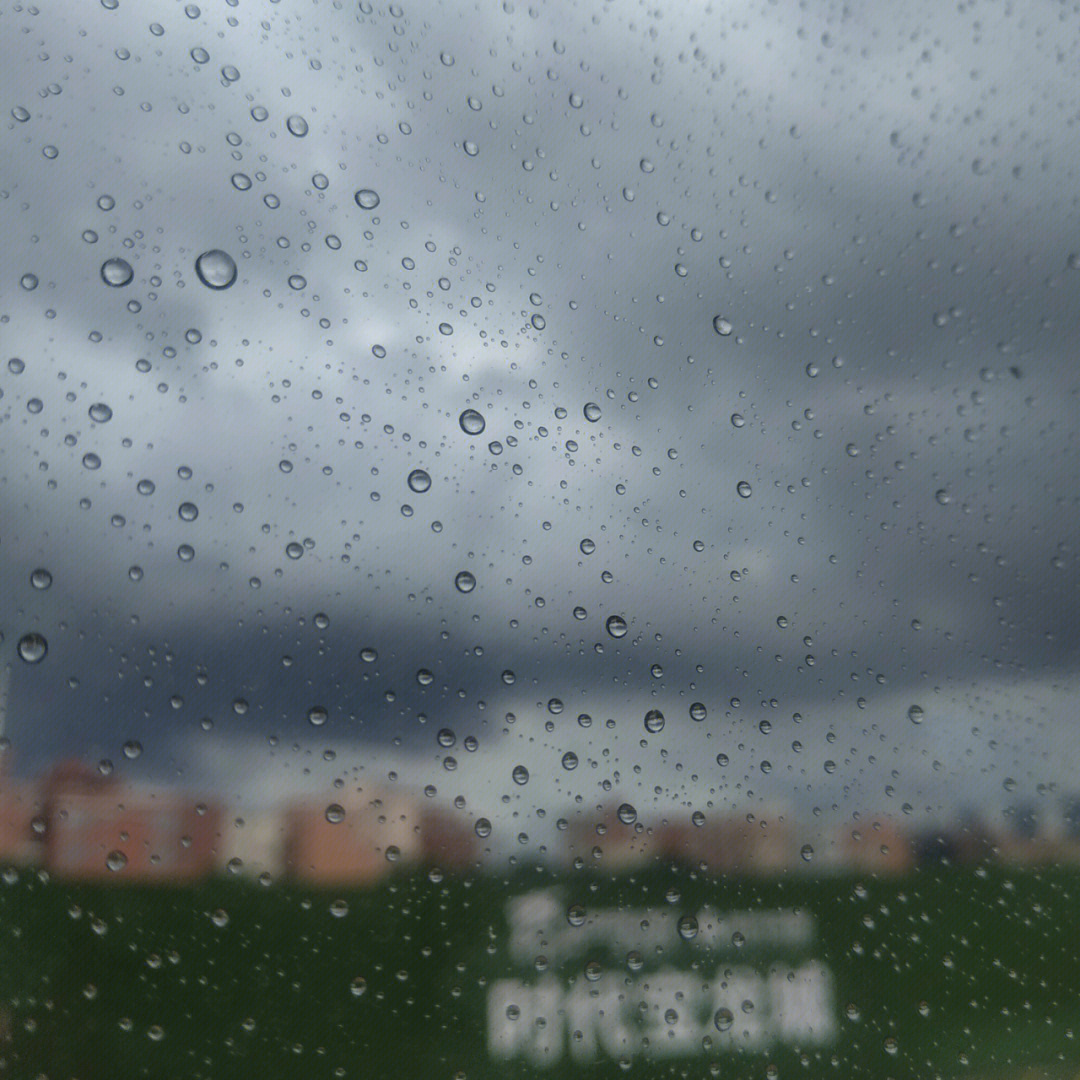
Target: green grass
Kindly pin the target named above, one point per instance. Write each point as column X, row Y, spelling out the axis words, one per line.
column 89, row 975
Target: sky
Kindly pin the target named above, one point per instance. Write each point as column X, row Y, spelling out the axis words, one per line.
column 772, row 305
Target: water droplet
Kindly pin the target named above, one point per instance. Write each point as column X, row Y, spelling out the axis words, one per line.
column 366, row 199
column 29, row 282
column 744, row 489
column 335, row 813
column 216, row 269
column 616, row 626
column 100, row 413
column 424, row 677
column 117, row 272
column 297, row 282
column 464, row 582
column 115, row 861
column 32, row 648
column 317, row 715
column 294, row 550
column 698, row 711
column 915, row 714
column 91, row 461
column 688, row 927
column 807, row 853
column 40, row 578
column 569, row 761
column 723, row 1019
column 520, row 775
column 737, row 420
column 369, row 656
column 132, row 749
column 339, row 909
column 592, row 412
column 654, row 721
column 722, row 326
column 297, row 126
column 575, row 915
column 358, row 986
column 587, row 546
column 472, row 423
column 22, row 115
column 240, row 181
column 626, row 813
column 942, row 497
column 482, row 827
column 188, row 511
column 419, row 481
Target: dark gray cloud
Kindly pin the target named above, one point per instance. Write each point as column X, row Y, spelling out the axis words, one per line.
column 567, row 199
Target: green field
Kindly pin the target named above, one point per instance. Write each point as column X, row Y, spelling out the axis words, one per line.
column 946, row 972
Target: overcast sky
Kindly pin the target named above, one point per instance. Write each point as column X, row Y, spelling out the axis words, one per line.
column 877, row 208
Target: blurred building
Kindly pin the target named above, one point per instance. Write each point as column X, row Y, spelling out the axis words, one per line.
column 350, row 839
column 447, row 840
column 99, row 829
column 254, row 843
column 877, row 847
column 21, row 822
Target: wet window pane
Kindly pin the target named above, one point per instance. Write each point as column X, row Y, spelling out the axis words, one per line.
column 538, row 540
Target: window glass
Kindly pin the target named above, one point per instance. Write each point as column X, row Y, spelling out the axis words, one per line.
column 538, row 539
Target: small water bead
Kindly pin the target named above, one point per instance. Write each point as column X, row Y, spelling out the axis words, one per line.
column 240, row 181
column 569, row 761
column 185, row 553
column 335, row 813
column 592, row 412
column 216, row 269
column 464, row 581
column 722, row 326
column 366, row 199
column 115, row 861
column 744, row 489
column 16, row 365
column 117, row 272
column 29, row 282
column 188, row 511
column 132, row 749
column 100, row 413
column 698, row 711
column 294, row 549
column 40, row 578
column 587, row 546
column 626, row 813
column 32, row 648
column 317, row 715
column 419, row 481
column 200, row 56
column 471, row 422
column 297, row 282
column 520, row 775
column 482, row 828
column 297, row 125
column 915, row 714
column 424, row 677
column 91, row 461
column 654, row 721
column 723, row 1019
column 369, row 656
column 21, row 114
column 616, row 626
column 807, row 853
column 688, row 927
column 737, row 420
column 145, row 487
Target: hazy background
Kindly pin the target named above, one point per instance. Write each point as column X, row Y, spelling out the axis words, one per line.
column 882, row 205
